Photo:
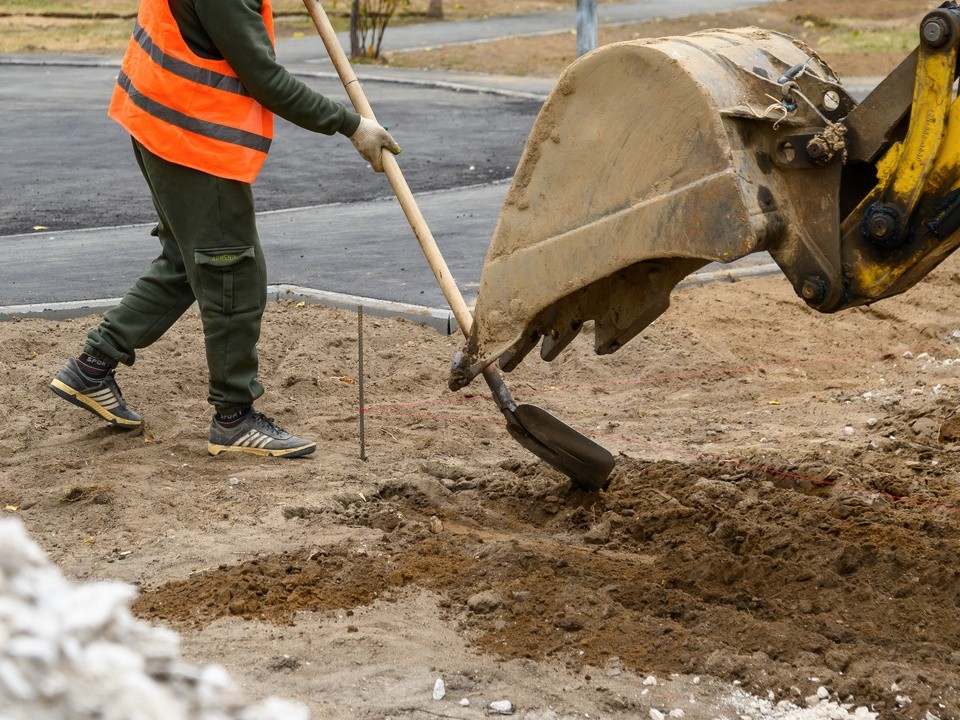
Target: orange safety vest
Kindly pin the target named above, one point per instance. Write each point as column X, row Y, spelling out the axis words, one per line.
column 187, row 109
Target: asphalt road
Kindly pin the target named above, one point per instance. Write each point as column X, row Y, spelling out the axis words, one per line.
column 65, row 165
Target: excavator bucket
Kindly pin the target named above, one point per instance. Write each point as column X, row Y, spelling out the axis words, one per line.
column 650, row 159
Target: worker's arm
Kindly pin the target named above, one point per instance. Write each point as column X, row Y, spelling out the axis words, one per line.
column 238, row 34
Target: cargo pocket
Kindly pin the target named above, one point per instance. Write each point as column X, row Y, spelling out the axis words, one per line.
column 229, row 281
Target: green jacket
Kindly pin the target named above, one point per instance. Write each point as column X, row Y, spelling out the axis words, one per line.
column 233, row 30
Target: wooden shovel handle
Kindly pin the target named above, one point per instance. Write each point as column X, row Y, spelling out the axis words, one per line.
column 392, row 169
column 588, row 465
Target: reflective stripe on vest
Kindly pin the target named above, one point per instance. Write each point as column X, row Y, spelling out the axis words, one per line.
column 189, row 110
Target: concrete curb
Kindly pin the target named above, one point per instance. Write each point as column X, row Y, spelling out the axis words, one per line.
column 440, row 319
column 400, row 76
column 452, row 85
column 733, row 275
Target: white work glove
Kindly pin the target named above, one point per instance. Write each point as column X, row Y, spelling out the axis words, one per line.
column 369, row 139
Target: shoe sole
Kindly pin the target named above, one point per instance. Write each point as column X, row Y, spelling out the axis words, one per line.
column 77, row 398
column 296, row 452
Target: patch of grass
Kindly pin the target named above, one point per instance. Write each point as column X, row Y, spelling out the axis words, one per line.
column 87, row 7
column 103, row 26
column 870, row 41
column 296, row 26
column 20, row 35
column 813, row 21
column 129, row 7
column 26, row 34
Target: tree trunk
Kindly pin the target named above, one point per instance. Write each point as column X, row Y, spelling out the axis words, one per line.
column 355, row 49
column 435, row 10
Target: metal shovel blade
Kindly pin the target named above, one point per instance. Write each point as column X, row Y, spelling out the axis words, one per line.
column 587, row 464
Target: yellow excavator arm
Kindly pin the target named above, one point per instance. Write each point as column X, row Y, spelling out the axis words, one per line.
column 653, row 158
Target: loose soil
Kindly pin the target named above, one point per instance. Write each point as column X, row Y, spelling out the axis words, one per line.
column 784, row 513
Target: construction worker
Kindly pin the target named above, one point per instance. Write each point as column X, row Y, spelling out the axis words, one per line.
column 197, row 90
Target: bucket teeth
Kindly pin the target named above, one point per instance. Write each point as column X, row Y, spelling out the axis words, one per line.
column 554, row 344
column 610, row 338
column 515, row 355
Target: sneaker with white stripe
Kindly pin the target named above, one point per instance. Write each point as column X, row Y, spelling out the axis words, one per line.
column 257, row 435
column 102, row 396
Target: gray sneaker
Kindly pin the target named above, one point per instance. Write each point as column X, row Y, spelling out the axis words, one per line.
column 257, row 435
column 101, row 397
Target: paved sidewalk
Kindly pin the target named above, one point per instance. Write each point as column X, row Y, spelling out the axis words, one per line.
column 298, row 248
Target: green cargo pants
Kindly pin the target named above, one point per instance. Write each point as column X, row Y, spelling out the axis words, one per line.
column 210, row 253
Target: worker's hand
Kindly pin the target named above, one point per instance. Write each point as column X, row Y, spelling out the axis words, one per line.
column 369, row 139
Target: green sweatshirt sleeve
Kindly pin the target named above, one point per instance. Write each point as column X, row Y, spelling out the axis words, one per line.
column 237, row 29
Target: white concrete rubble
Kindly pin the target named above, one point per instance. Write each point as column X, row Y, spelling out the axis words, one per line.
column 71, row 651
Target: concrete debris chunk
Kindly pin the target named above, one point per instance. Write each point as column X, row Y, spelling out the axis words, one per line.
column 755, row 708
column 501, row 707
column 70, row 650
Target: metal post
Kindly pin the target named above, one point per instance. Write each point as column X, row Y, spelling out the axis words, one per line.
column 586, row 26
column 363, row 437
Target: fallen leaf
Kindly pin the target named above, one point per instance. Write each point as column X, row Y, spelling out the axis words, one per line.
column 345, row 379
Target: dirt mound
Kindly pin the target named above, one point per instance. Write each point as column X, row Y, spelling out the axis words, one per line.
column 784, row 579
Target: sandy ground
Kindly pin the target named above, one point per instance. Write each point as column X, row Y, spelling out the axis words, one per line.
column 783, row 515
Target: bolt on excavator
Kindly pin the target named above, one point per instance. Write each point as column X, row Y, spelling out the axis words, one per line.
column 652, row 158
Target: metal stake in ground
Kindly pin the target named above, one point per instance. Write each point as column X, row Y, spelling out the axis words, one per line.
column 363, row 437
column 585, row 462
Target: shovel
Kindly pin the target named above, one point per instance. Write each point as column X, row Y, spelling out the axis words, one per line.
column 585, row 462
